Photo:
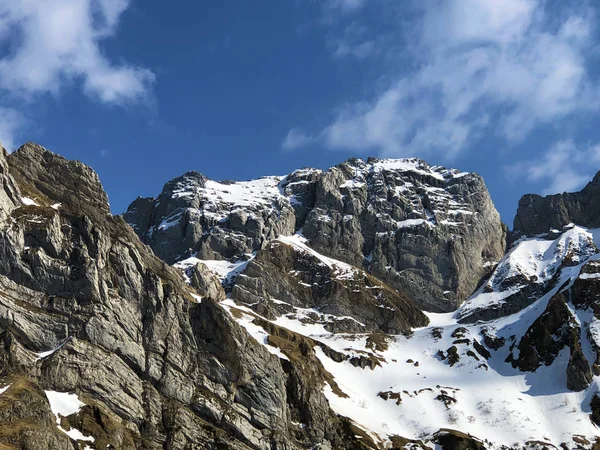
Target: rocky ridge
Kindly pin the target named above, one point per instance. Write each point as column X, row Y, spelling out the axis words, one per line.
column 538, row 215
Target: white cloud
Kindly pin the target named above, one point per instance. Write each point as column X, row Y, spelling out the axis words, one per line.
column 359, row 50
column 355, row 41
column 501, row 66
column 343, row 6
column 11, row 122
column 57, row 42
column 466, row 21
column 565, row 167
column 296, row 138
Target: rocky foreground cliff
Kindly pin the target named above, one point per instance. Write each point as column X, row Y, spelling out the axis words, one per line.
column 373, row 305
column 90, row 316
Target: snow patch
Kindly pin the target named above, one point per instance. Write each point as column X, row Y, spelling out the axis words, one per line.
column 64, row 404
column 246, row 320
column 41, row 355
column 29, row 202
column 225, row 270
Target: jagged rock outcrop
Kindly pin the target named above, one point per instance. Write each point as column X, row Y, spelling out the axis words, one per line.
column 9, row 193
column 538, row 215
column 430, row 232
column 206, row 283
column 556, row 329
column 455, row 440
column 286, row 276
column 86, row 308
column 213, row 220
column 52, row 179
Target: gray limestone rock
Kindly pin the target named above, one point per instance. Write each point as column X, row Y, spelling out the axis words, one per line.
column 206, row 283
column 9, row 192
column 430, row 232
column 50, row 179
column 538, row 215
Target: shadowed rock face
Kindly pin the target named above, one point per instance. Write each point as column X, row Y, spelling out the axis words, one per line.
column 430, row 232
column 455, row 440
column 156, row 368
column 51, row 177
column 556, row 329
column 537, row 214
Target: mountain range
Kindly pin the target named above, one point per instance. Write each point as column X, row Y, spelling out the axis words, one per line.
column 380, row 304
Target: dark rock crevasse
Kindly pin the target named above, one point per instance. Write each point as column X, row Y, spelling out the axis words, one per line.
column 554, row 330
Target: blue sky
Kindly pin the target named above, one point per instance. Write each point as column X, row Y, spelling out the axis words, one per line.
column 144, row 91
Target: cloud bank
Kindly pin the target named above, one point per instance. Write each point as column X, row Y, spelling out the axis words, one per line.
column 465, row 68
column 52, row 45
column 564, row 167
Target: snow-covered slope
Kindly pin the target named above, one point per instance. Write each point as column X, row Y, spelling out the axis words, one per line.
column 450, row 375
column 527, row 270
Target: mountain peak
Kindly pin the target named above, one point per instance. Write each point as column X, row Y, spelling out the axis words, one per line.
column 408, row 165
column 538, row 214
column 52, row 178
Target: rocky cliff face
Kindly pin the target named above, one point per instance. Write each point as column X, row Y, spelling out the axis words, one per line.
column 90, row 317
column 539, row 215
column 430, row 232
column 427, row 231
